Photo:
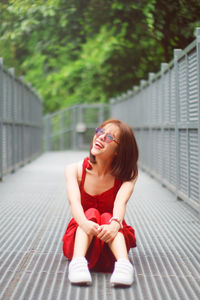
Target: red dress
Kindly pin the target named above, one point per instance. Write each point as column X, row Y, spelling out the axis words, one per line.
column 99, row 209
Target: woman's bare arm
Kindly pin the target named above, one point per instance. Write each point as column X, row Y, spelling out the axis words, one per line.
column 108, row 232
column 122, row 198
column 74, row 198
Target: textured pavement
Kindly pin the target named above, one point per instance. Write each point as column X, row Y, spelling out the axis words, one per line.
column 33, row 217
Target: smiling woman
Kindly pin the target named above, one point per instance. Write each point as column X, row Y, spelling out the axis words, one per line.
column 108, row 137
column 98, row 188
column 124, row 164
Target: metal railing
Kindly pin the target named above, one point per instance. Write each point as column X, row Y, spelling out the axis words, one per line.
column 73, row 127
column 20, row 122
column 164, row 112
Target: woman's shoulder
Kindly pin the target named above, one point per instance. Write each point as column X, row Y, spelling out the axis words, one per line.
column 77, row 168
column 73, row 168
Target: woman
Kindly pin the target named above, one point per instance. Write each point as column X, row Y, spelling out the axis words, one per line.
column 98, row 189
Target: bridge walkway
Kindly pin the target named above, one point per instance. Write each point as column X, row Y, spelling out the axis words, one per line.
column 34, row 214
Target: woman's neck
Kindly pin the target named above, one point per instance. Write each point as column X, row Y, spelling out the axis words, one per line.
column 102, row 167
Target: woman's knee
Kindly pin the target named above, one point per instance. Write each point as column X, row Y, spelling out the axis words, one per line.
column 105, row 218
column 93, row 214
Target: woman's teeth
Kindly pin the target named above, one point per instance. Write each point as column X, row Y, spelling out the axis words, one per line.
column 99, row 145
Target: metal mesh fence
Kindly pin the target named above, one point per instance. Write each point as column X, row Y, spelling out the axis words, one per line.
column 20, row 122
column 73, row 127
column 165, row 115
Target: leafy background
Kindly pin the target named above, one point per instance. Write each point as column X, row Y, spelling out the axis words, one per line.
column 75, row 51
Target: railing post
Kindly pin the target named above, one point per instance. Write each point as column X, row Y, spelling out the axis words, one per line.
column 13, row 155
column 177, row 52
column 48, row 132
column 22, row 118
column 61, row 131
column 101, row 113
column 163, row 67
column 74, row 127
column 1, row 118
column 79, row 137
column 198, row 80
column 150, row 125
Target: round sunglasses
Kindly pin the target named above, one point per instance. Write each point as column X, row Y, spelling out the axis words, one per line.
column 108, row 138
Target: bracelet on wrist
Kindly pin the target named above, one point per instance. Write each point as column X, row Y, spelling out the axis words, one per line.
column 116, row 219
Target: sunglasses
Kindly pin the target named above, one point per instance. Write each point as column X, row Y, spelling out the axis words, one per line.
column 108, row 138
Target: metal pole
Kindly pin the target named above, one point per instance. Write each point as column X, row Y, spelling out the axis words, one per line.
column 74, row 127
column 198, row 80
column 48, row 132
column 101, row 113
column 1, row 118
column 80, row 120
column 61, row 131
column 162, row 122
column 22, row 118
column 177, row 52
column 13, row 152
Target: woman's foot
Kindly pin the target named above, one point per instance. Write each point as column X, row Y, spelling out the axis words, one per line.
column 79, row 272
column 123, row 274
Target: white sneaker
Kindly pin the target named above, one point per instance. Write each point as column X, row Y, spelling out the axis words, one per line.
column 123, row 274
column 79, row 272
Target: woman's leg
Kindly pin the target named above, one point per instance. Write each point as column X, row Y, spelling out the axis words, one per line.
column 82, row 243
column 83, row 240
column 78, row 267
column 124, row 272
column 118, row 247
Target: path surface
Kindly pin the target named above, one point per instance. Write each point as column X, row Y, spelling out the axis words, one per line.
column 34, row 214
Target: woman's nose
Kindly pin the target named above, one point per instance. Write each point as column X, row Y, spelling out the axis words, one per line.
column 102, row 136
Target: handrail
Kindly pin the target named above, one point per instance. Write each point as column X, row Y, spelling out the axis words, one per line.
column 20, row 121
column 164, row 112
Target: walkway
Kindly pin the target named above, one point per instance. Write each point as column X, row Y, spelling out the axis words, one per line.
column 33, row 216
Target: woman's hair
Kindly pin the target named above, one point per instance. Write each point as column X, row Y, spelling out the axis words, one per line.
column 124, row 164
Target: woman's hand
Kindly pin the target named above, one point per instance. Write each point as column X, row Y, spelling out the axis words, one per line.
column 108, row 232
column 90, row 227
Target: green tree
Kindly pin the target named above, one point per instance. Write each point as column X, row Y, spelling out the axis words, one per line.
column 174, row 24
column 91, row 50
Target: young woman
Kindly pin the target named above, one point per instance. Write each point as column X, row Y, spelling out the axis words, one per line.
column 98, row 189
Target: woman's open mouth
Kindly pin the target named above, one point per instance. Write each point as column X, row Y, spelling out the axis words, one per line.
column 98, row 145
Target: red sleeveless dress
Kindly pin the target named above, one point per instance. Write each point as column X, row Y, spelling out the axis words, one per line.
column 99, row 209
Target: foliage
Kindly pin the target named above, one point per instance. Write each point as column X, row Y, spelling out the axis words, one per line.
column 91, row 50
column 175, row 23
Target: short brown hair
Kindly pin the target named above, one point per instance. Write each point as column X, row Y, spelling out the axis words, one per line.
column 124, row 164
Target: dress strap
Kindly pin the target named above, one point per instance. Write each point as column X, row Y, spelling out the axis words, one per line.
column 117, row 184
column 86, row 165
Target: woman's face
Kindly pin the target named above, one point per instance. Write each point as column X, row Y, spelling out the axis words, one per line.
column 102, row 148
